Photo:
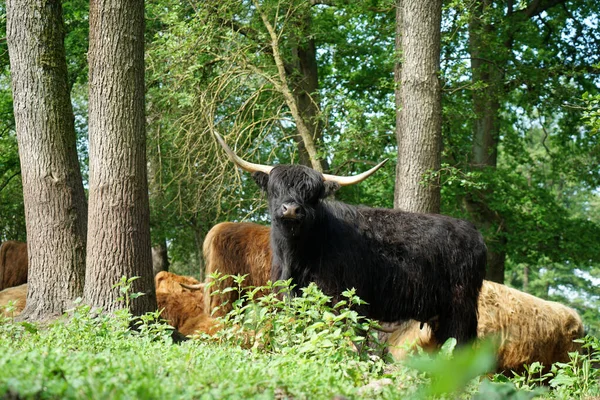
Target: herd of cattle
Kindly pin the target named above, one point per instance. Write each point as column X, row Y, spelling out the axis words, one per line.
column 422, row 273
column 527, row 328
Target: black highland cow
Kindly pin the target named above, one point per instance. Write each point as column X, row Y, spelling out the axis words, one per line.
column 404, row 265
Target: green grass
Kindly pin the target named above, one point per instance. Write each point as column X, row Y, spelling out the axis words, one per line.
column 305, row 350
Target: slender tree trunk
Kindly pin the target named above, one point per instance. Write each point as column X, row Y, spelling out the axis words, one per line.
column 284, row 88
column 526, row 278
column 119, row 227
column 486, row 129
column 199, row 235
column 160, row 257
column 305, row 78
column 419, row 125
column 55, row 205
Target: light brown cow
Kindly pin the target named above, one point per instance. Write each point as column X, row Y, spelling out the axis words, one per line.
column 13, row 264
column 183, row 309
column 235, row 249
column 527, row 328
column 185, row 313
column 168, row 282
column 17, row 294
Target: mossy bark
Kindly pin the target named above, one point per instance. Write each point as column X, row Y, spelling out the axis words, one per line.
column 55, row 204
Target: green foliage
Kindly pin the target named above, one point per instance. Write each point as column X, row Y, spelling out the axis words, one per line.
column 452, row 369
column 294, row 348
column 575, row 379
column 89, row 354
column 505, row 391
column 580, row 376
column 124, row 286
column 307, row 326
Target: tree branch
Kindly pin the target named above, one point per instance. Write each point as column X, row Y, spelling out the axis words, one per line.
column 8, row 180
column 536, row 7
column 565, row 70
column 287, row 93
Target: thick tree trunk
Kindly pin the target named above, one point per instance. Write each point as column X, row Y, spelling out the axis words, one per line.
column 119, row 227
column 55, row 205
column 419, row 125
column 486, row 130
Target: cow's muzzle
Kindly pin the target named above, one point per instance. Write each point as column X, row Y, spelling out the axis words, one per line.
column 291, row 211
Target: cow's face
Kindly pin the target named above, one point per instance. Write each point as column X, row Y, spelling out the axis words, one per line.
column 294, row 193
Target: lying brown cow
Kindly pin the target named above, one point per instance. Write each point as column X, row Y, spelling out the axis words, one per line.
column 168, row 282
column 183, row 309
column 235, row 249
column 527, row 328
column 13, row 264
column 16, row 294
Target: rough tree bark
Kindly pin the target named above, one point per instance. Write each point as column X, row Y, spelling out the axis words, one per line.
column 119, row 227
column 419, row 124
column 55, row 205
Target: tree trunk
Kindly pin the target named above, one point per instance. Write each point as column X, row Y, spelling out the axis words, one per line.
column 160, row 257
column 55, row 205
column 526, row 278
column 486, row 128
column 119, row 227
column 419, row 125
column 282, row 85
column 305, row 78
column 199, row 235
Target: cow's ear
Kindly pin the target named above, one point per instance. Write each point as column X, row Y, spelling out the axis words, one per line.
column 261, row 179
column 330, row 188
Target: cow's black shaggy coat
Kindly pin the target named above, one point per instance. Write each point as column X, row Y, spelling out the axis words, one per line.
column 405, row 265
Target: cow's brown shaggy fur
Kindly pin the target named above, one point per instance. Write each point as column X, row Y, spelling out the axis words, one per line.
column 527, row 328
column 183, row 309
column 13, row 264
column 18, row 294
column 168, row 282
column 235, row 249
column 185, row 313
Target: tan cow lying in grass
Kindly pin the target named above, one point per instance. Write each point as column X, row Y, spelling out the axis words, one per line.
column 527, row 329
column 183, row 309
column 17, row 294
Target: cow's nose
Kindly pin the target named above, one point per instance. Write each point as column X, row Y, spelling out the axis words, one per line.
column 289, row 210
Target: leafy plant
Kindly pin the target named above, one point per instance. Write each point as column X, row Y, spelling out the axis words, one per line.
column 124, row 286
column 580, row 375
column 451, row 370
column 532, row 377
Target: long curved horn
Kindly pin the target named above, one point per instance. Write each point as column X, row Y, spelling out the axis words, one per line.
column 245, row 165
column 351, row 180
column 197, row 286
